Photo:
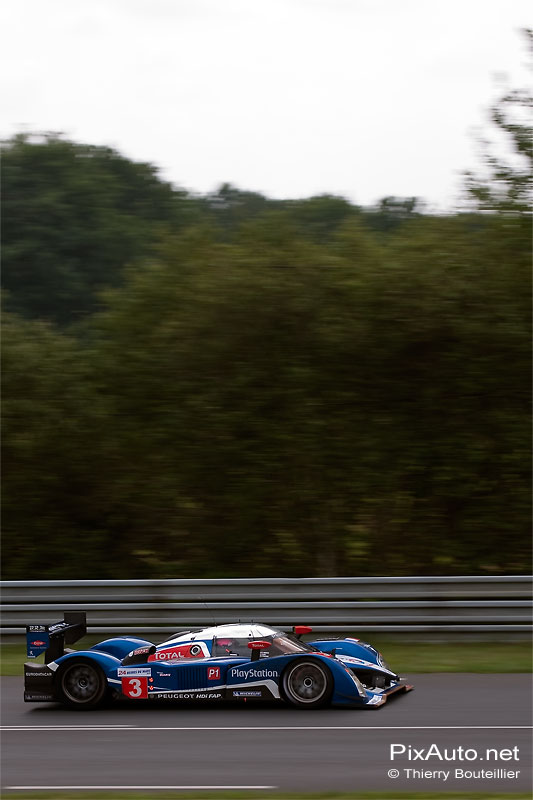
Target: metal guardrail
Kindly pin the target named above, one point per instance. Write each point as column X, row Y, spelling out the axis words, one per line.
column 441, row 604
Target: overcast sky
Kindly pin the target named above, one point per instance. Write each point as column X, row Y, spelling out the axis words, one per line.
column 362, row 98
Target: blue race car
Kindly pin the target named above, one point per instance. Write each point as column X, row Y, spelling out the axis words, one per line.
column 237, row 662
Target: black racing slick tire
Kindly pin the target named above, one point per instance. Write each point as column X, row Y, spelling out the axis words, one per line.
column 81, row 684
column 307, row 683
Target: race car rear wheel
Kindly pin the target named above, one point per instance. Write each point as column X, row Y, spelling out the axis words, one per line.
column 307, row 684
column 82, row 684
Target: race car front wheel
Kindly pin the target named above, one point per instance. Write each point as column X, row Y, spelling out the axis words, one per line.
column 307, row 684
column 82, row 684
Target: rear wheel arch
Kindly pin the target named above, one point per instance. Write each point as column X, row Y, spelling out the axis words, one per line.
column 80, row 683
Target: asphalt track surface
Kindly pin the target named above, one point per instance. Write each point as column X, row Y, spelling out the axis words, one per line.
column 179, row 745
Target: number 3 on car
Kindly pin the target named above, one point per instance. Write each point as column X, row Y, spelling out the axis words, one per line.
column 137, row 688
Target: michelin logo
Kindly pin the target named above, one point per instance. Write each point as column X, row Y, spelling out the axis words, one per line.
column 247, row 694
column 254, row 673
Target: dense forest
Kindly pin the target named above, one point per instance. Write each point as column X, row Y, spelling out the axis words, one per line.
column 230, row 385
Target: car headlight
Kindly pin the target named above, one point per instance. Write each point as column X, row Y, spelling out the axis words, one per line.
column 383, row 663
column 360, row 688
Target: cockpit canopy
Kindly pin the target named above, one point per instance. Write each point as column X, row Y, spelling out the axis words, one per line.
column 280, row 644
column 233, row 640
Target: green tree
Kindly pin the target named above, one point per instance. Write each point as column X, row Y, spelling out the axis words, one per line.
column 280, row 407
column 285, row 408
column 506, row 185
column 318, row 218
column 229, row 208
column 55, row 456
column 392, row 212
column 73, row 216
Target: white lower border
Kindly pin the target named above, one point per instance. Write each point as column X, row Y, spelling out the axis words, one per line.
column 131, row 788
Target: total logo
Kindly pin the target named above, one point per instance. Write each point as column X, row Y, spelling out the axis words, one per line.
column 254, row 673
column 167, row 655
column 38, row 643
column 179, row 651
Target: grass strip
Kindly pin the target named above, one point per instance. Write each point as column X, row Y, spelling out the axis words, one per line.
column 405, row 657
column 273, row 795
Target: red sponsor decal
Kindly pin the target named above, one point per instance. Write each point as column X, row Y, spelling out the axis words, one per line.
column 177, row 652
column 38, row 643
column 213, row 673
column 140, row 651
column 136, row 688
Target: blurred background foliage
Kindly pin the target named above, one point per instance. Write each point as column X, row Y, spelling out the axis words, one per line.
column 228, row 385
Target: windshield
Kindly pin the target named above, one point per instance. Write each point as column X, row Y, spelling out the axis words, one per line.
column 280, row 644
column 285, row 643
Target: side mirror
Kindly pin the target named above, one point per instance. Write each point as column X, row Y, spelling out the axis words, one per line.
column 256, row 648
column 299, row 630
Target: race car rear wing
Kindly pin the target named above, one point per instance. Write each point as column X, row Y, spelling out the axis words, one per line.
column 51, row 639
